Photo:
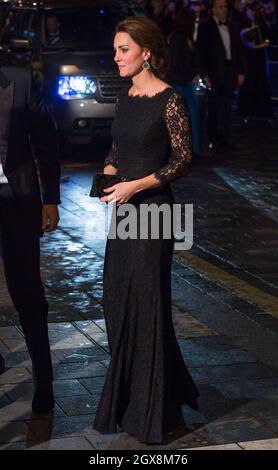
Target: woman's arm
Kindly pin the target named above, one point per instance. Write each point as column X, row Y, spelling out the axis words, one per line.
column 111, row 161
column 110, row 166
column 178, row 125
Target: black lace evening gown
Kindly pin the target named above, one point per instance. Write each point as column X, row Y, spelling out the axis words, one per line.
column 147, row 380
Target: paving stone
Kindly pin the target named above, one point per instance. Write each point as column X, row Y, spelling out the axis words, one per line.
column 68, row 388
column 265, row 444
column 186, row 326
column 236, row 372
column 106, row 441
column 4, row 401
column 66, row 336
column 89, row 327
column 68, row 315
column 79, row 405
column 226, row 322
column 19, row 391
column 220, row 447
column 101, row 340
column 212, row 404
column 78, row 370
column 197, row 357
column 93, row 384
column 262, row 407
column 240, row 430
column 80, row 354
column 3, row 348
column 212, row 343
column 17, row 359
column 67, row 426
column 247, row 389
column 69, row 443
column 14, row 446
column 15, row 375
column 9, row 332
column 62, row 388
column 14, row 431
column 20, row 411
column 12, row 338
column 15, row 344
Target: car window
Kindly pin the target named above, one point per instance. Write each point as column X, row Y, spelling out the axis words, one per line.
column 19, row 24
column 83, row 27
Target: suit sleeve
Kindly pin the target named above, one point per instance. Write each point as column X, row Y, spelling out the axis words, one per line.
column 44, row 139
column 202, row 50
column 241, row 58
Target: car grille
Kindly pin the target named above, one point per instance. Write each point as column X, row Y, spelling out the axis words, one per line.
column 110, row 87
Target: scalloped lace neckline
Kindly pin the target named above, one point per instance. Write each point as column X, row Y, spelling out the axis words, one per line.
column 150, row 97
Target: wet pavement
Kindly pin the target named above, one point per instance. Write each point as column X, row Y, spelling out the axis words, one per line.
column 225, row 310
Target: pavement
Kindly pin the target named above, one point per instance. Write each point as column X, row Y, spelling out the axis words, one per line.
column 225, row 310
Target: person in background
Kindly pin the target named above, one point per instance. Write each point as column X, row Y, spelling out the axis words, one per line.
column 196, row 7
column 27, row 129
column 221, row 63
column 236, row 14
column 53, row 25
column 254, row 99
column 182, row 72
column 163, row 16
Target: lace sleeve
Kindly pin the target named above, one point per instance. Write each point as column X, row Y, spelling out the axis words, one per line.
column 180, row 135
column 112, row 157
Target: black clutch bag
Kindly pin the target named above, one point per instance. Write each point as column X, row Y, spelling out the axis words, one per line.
column 102, row 181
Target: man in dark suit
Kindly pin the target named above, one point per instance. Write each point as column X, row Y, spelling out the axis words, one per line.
column 53, row 33
column 27, row 131
column 196, row 7
column 222, row 65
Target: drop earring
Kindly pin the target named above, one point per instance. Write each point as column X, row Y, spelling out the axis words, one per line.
column 146, row 65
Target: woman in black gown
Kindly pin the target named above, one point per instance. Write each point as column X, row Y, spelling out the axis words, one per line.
column 147, row 380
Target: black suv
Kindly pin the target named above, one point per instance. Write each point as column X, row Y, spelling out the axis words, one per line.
column 70, row 46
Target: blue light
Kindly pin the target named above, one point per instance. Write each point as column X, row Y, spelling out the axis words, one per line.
column 76, row 87
column 102, row 12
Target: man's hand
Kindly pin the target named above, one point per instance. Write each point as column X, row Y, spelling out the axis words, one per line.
column 240, row 79
column 207, row 82
column 195, row 80
column 50, row 217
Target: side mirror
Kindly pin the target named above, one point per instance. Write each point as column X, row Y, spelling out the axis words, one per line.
column 20, row 45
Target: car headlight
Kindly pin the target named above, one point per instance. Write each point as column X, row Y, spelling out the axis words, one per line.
column 76, row 87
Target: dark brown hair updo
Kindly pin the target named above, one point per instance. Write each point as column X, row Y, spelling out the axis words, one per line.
column 148, row 36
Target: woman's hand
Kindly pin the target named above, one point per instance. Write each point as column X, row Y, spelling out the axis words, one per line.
column 120, row 192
